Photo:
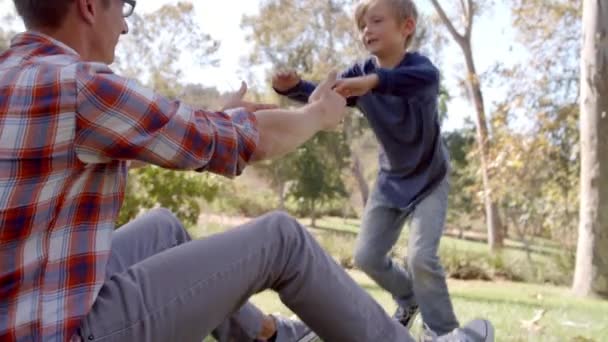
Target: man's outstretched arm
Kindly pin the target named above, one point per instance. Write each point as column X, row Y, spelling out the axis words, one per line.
column 119, row 119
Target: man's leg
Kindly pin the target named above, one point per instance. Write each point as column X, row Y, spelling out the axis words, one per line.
column 429, row 281
column 157, row 231
column 380, row 230
column 243, row 325
column 182, row 293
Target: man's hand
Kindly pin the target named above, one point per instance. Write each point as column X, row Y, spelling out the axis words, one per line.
column 330, row 104
column 284, row 80
column 235, row 100
column 282, row 130
column 356, row 86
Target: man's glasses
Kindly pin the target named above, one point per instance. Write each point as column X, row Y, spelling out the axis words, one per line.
column 128, row 7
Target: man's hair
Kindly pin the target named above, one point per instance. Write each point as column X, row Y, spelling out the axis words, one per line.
column 44, row 13
column 403, row 10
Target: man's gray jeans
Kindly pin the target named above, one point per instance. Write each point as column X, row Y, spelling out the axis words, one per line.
column 423, row 282
column 163, row 287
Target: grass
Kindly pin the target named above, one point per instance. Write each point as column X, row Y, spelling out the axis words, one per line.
column 510, row 306
column 545, row 263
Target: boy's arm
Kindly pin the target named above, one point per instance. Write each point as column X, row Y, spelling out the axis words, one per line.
column 406, row 80
column 302, row 90
column 401, row 81
column 300, row 93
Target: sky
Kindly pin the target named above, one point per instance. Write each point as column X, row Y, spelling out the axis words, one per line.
column 492, row 39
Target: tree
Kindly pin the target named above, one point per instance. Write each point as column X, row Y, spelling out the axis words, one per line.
column 306, row 36
column 314, row 182
column 535, row 126
column 463, row 181
column 591, row 275
column 162, row 45
column 7, row 28
column 467, row 8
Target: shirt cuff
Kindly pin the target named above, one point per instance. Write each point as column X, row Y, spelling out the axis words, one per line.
column 233, row 154
column 289, row 91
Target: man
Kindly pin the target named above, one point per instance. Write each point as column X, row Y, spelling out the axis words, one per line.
column 69, row 128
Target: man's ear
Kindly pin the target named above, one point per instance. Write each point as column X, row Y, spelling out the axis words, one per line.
column 87, row 10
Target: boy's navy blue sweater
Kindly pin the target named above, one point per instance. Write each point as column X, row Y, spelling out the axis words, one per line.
column 402, row 111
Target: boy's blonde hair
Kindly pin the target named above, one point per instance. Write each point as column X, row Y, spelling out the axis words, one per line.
column 403, row 10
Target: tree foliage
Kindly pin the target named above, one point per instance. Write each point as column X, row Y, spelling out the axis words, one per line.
column 311, row 37
column 153, row 53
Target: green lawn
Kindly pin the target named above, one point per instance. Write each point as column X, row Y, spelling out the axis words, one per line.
column 510, row 306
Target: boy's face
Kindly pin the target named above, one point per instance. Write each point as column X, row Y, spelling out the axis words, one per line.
column 381, row 33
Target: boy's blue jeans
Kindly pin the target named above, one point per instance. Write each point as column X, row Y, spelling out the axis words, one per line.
column 423, row 282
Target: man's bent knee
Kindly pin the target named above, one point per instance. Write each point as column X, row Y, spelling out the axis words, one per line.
column 168, row 223
column 280, row 223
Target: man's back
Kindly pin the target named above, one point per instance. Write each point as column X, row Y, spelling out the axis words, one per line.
column 56, row 213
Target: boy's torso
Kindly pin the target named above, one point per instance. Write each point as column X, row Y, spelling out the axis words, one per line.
column 412, row 159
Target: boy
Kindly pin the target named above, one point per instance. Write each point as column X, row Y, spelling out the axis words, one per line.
column 397, row 91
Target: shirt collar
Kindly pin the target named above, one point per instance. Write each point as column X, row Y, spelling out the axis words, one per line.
column 53, row 45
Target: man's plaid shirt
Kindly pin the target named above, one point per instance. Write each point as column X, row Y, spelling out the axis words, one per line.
column 67, row 130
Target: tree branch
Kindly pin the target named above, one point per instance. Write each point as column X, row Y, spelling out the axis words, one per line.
column 470, row 13
column 447, row 22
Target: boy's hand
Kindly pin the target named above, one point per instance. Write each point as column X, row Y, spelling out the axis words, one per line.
column 235, row 100
column 284, row 80
column 356, row 86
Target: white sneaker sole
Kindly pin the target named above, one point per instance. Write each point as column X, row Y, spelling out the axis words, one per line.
column 310, row 337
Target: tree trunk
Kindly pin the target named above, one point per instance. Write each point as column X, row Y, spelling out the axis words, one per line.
column 357, row 170
column 591, row 274
column 281, row 193
column 493, row 223
column 313, row 214
column 356, row 166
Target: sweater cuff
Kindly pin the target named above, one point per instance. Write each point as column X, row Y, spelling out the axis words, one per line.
column 289, row 91
column 384, row 83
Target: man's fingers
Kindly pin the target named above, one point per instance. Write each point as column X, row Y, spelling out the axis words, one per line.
column 254, row 107
column 262, row 106
column 242, row 91
column 325, row 86
column 329, row 82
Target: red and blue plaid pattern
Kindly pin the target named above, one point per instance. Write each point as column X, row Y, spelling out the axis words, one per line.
column 67, row 130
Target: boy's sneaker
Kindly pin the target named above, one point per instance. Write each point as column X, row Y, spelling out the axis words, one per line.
column 292, row 330
column 406, row 316
column 478, row 330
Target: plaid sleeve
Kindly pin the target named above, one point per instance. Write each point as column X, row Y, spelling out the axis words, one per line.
column 119, row 119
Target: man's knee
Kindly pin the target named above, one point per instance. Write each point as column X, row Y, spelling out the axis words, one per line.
column 281, row 220
column 280, row 223
column 167, row 222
